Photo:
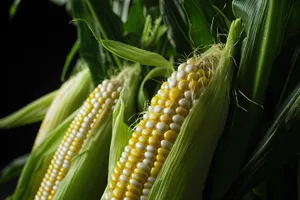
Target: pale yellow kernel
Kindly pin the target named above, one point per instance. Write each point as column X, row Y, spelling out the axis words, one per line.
column 136, row 152
column 183, row 84
column 115, row 95
column 158, row 165
column 165, row 118
column 52, row 192
column 51, row 179
column 153, row 116
column 40, row 191
column 59, row 178
column 136, row 135
column 50, row 167
column 181, row 111
column 157, row 134
column 140, row 172
column 163, row 85
column 171, row 104
column 143, row 139
column 170, row 135
column 114, row 177
column 129, row 165
column 154, row 100
column 101, row 100
column 62, row 171
column 152, row 141
column 67, row 157
column 132, row 141
column 203, row 81
column 119, row 164
column 154, row 172
column 121, row 185
column 163, row 152
column 50, row 197
column 164, row 93
column 133, row 189
column 112, row 184
column 146, row 132
column 131, row 195
column 175, row 94
column 91, row 96
column 161, row 102
column 117, row 171
column 132, row 159
column 137, row 177
column 118, row 193
column 160, row 158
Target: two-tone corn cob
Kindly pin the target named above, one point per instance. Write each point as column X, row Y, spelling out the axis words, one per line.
column 104, row 97
column 156, row 133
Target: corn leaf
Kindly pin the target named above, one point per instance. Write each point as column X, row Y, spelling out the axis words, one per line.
column 260, row 49
column 135, row 54
column 69, row 60
column 108, row 22
column 185, row 170
column 31, row 113
column 122, row 8
column 143, row 95
column 205, row 23
column 290, row 57
column 136, row 19
column 13, row 169
column 38, row 162
column 174, row 18
column 13, row 8
column 277, row 146
column 60, row 2
column 92, row 52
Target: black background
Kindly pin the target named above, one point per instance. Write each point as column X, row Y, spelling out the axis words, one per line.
column 34, row 45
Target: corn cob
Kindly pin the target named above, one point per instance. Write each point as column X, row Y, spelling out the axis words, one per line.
column 104, row 97
column 156, row 133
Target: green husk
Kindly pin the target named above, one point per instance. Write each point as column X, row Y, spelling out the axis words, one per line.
column 87, row 177
column 31, row 113
column 185, row 170
column 69, row 98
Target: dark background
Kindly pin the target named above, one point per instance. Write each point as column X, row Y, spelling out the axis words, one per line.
column 34, row 45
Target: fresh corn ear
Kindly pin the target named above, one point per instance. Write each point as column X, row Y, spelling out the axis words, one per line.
column 87, row 177
column 69, row 98
column 103, row 98
column 156, row 133
column 153, row 138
